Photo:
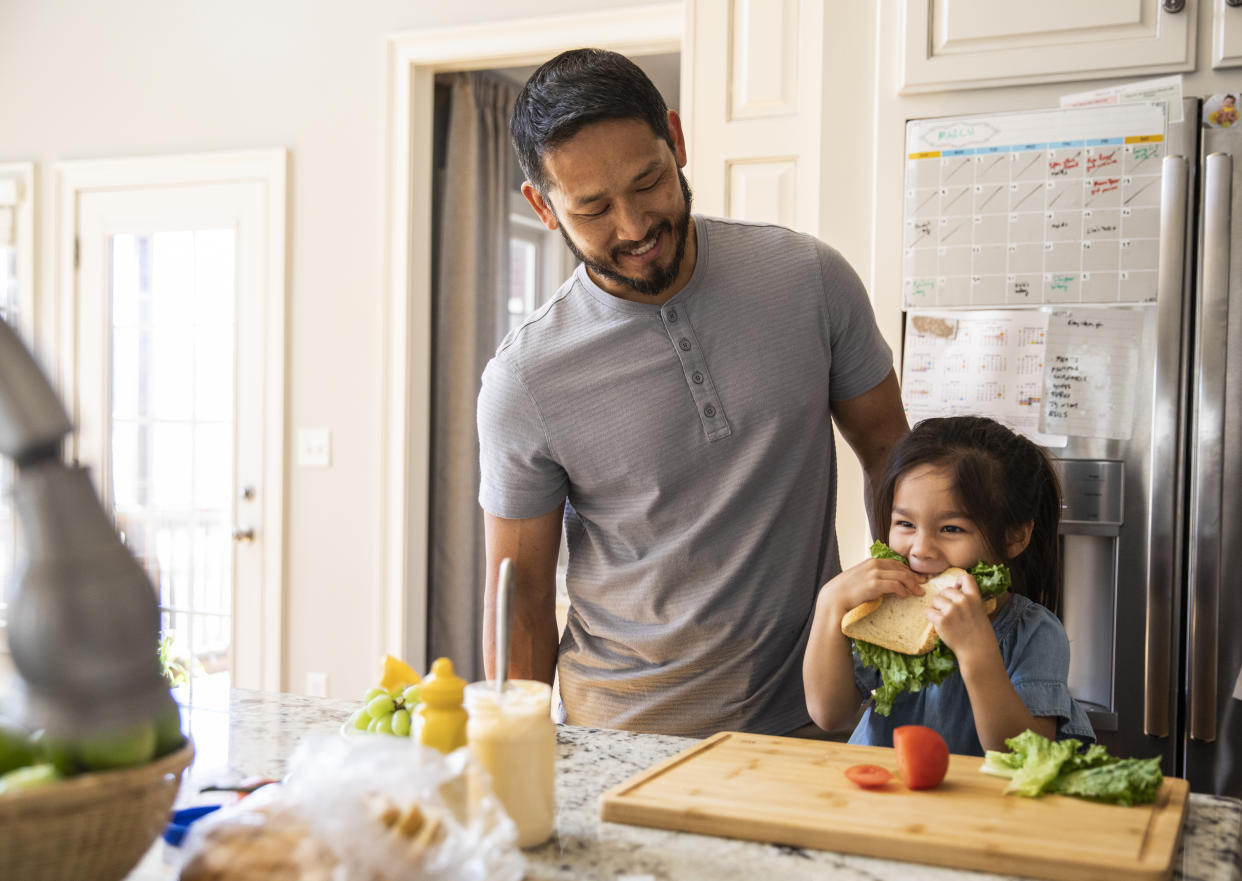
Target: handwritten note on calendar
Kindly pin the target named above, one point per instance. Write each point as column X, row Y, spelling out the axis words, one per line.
column 1090, row 361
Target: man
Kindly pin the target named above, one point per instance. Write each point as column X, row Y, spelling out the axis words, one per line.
column 672, row 406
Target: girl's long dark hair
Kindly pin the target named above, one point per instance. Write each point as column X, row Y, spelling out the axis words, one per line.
column 1003, row 481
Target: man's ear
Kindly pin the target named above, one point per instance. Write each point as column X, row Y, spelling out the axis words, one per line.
column 1018, row 538
column 540, row 204
column 679, row 138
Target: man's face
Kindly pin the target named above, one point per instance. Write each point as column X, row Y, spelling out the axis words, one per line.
column 619, row 198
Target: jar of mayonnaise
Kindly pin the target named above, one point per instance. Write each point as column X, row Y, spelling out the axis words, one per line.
column 513, row 737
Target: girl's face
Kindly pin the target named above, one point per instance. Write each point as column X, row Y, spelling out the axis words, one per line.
column 928, row 526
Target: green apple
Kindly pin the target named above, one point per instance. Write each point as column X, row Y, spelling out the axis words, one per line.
column 29, row 777
column 56, row 751
column 133, row 745
column 16, row 750
column 168, row 737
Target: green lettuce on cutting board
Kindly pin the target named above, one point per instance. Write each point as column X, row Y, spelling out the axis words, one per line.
column 900, row 673
column 1037, row 765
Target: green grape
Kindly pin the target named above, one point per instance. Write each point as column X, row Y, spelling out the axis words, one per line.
column 359, row 720
column 410, row 695
column 383, row 725
column 373, row 725
column 379, row 706
column 401, row 723
column 396, row 691
column 372, row 694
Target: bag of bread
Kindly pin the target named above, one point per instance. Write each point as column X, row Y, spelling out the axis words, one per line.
column 362, row 809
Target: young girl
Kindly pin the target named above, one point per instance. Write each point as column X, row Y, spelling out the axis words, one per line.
column 959, row 490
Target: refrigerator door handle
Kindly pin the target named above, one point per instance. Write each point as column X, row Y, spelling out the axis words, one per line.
column 1209, row 434
column 1170, row 293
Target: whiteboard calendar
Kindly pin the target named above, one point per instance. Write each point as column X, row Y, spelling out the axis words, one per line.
column 1033, row 208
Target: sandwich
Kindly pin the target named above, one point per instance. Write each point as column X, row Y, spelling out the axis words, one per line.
column 892, row 634
column 899, row 623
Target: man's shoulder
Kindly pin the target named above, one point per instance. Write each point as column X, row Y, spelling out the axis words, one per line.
column 746, row 240
column 750, row 229
column 546, row 324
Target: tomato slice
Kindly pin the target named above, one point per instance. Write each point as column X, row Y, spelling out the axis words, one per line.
column 922, row 755
column 868, row 776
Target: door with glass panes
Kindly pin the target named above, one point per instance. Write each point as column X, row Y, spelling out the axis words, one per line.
column 169, row 396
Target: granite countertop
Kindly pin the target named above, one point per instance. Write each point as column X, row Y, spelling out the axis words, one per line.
column 252, row 733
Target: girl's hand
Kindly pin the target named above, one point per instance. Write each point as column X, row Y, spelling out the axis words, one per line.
column 958, row 616
column 869, row 580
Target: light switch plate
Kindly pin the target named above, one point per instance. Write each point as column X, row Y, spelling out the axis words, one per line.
column 314, row 448
column 317, row 684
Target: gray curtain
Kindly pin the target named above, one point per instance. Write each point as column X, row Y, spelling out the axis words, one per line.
column 469, row 305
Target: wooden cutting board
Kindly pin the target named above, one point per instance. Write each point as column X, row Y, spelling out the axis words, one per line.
column 785, row 790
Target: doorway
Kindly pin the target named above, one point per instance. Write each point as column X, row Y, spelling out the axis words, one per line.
column 174, row 378
column 415, row 59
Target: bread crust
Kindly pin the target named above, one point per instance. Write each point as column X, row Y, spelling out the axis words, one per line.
column 904, row 628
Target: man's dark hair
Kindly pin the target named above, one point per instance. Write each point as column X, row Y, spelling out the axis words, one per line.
column 573, row 90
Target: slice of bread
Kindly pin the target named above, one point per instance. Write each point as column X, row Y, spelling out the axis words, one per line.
column 900, row 623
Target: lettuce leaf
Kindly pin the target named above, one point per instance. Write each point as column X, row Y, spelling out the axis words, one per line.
column 881, row 551
column 901, row 673
column 1122, row 782
column 1038, row 765
column 1040, row 762
column 993, row 580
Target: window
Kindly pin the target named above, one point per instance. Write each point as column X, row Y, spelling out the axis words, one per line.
column 538, row 262
column 172, row 429
column 17, row 309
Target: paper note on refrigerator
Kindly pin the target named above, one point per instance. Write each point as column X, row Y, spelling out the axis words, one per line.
column 980, row 362
column 1091, row 361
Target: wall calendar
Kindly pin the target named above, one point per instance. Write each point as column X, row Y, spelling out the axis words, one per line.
column 1033, row 208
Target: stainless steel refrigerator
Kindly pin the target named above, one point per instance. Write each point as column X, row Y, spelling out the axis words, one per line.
column 1151, row 530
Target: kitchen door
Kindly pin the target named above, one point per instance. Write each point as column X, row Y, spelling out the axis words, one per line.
column 169, row 388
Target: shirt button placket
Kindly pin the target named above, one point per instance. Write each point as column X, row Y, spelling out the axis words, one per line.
column 695, row 369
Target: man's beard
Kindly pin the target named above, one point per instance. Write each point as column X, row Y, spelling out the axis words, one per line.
column 661, row 279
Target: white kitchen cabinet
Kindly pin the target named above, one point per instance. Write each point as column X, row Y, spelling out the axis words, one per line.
column 1226, row 33
column 970, row 44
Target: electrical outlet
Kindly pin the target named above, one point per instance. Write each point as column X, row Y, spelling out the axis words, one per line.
column 314, row 447
column 317, row 684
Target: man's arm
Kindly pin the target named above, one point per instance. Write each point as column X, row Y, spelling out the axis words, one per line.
column 872, row 423
column 533, row 545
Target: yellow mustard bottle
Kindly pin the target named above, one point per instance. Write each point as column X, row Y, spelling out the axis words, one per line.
column 442, row 716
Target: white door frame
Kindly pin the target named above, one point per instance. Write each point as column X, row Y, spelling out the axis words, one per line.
column 75, row 178
column 414, row 58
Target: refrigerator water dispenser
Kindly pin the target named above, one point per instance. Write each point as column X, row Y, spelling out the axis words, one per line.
column 1091, row 516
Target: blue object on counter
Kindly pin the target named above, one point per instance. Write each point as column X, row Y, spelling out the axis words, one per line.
column 181, row 820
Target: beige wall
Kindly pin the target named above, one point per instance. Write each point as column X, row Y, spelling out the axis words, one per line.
column 91, row 79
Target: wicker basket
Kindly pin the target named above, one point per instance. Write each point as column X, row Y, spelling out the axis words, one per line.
column 92, row 827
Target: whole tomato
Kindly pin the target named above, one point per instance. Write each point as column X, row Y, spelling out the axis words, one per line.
column 922, row 756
